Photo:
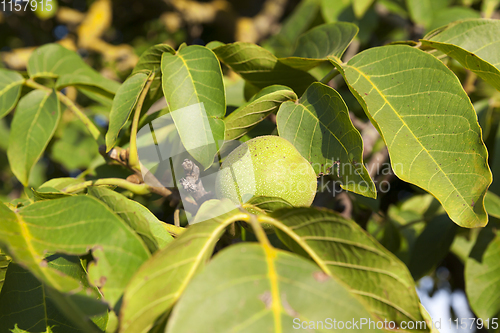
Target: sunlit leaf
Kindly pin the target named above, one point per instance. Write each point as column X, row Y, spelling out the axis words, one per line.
column 34, row 123
column 265, row 290
column 73, row 225
column 474, row 43
column 10, row 90
column 192, row 84
column 345, row 251
column 428, row 124
column 482, row 276
column 153, row 292
column 55, row 61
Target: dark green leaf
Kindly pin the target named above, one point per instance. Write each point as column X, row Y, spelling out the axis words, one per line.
column 34, row 124
column 261, row 68
column 136, row 216
column 4, row 263
column 420, row 11
column 243, row 119
column 428, row 123
column 482, row 275
column 263, row 290
column 124, row 102
column 432, row 246
column 10, row 90
column 317, row 44
column 320, row 128
column 298, row 22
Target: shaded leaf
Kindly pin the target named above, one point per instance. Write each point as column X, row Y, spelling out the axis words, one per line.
column 268, row 204
column 4, row 263
column 261, row 68
column 124, row 102
column 36, row 307
column 138, row 217
column 420, row 11
column 150, row 61
column 295, row 24
column 432, row 246
column 192, row 84
column 474, row 44
column 428, row 124
column 361, row 6
column 152, row 292
column 448, row 15
column 346, row 252
column 10, row 89
column 492, row 204
column 317, row 44
column 482, row 275
column 243, row 119
column 320, row 128
column 34, row 124
column 75, row 148
column 73, row 225
column 55, row 61
column 265, row 290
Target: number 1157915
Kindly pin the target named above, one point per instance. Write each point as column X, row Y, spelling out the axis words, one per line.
column 25, row 5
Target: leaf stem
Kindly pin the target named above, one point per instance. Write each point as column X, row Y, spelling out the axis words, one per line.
column 174, row 230
column 94, row 131
column 133, row 158
column 328, row 77
column 140, row 189
column 259, row 231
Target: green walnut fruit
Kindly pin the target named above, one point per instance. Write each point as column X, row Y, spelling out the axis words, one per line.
column 267, row 166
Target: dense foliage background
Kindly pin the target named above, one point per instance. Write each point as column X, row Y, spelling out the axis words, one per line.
column 110, row 36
